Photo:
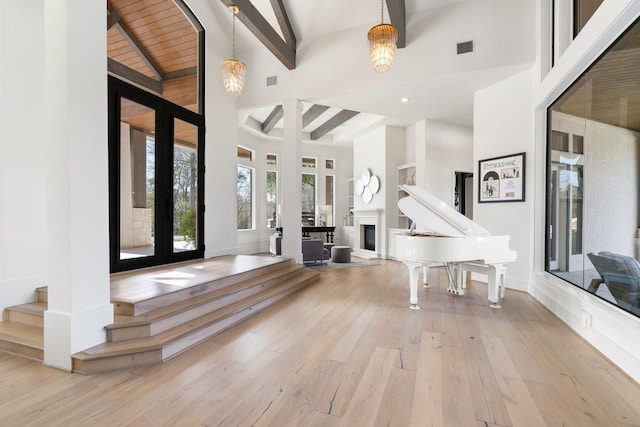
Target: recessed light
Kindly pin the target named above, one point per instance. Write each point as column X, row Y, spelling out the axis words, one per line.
column 405, row 99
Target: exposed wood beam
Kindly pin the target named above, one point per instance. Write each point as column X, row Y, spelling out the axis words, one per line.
column 255, row 22
column 134, row 76
column 397, row 16
column 112, row 18
column 181, row 73
column 135, row 44
column 312, row 113
column 283, row 21
column 333, row 123
column 274, row 117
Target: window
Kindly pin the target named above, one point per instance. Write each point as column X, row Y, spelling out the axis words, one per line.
column 245, row 198
column 272, row 198
column 593, row 192
column 308, row 162
column 272, row 160
column 308, row 199
column 325, row 212
column 328, row 164
column 245, row 153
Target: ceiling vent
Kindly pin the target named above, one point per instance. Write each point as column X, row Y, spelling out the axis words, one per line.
column 272, row 80
column 465, row 47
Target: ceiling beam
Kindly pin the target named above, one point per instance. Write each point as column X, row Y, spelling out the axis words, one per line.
column 181, row 73
column 333, row 123
column 312, row 113
column 274, row 117
column 397, row 16
column 283, row 21
column 134, row 76
column 135, row 44
column 112, row 18
column 255, row 22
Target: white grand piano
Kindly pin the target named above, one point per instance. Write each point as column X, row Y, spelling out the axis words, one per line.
column 444, row 236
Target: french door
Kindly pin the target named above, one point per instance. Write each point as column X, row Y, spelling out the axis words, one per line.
column 156, row 170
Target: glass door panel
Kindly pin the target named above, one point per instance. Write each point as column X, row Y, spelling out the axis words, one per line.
column 185, row 186
column 137, row 180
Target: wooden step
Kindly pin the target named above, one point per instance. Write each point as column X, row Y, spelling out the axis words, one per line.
column 22, row 340
column 162, row 346
column 29, row 314
column 157, row 321
column 42, row 294
column 208, row 283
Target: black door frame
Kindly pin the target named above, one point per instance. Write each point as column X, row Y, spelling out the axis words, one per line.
column 166, row 112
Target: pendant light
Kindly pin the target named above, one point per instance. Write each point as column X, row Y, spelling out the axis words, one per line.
column 233, row 71
column 382, row 43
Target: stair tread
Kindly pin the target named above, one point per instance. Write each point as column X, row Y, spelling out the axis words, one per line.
column 202, row 279
column 123, row 320
column 20, row 333
column 155, row 342
column 34, row 308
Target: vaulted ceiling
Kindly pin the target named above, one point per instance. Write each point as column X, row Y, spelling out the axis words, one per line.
column 153, row 44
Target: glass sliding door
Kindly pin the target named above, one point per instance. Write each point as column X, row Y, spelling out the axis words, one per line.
column 137, row 180
column 155, row 179
column 185, row 186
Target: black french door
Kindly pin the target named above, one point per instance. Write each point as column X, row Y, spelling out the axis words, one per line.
column 156, row 176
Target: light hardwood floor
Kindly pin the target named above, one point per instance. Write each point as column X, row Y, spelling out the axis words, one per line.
column 348, row 351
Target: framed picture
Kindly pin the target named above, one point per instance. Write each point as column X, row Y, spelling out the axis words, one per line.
column 501, row 179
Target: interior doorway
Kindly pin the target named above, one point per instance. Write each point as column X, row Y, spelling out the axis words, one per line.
column 463, row 194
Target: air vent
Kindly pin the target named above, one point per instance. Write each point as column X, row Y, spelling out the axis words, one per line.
column 465, row 47
column 272, row 80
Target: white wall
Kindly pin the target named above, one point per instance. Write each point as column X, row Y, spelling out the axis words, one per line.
column 369, row 152
column 445, row 149
column 23, row 233
column 221, row 138
column 613, row 332
column 503, row 125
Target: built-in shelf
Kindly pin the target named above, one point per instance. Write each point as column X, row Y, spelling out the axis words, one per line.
column 406, row 174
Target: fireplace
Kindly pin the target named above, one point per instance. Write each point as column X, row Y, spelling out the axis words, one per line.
column 369, row 231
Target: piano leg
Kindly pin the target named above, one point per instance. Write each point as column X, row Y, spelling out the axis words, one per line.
column 425, row 276
column 414, row 272
column 456, row 281
column 495, row 284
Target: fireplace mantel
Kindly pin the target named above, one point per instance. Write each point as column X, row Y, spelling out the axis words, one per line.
column 363, row 217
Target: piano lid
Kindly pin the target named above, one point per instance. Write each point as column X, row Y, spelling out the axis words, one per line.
column 435, row 216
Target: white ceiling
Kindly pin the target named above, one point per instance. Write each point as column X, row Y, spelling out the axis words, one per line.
column 447, row 98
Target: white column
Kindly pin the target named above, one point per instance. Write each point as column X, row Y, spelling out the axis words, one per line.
column 77, row 179
column 291, row 181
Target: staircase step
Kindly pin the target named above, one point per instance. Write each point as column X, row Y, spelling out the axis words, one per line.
column 29, row 314
column 165, row 345
column 22, row 340
column 138, row 308
column 42, row 294
column 158, row 321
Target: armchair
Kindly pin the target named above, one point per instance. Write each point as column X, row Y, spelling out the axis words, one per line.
column 313, row 250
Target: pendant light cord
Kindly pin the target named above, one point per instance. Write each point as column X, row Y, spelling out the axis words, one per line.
column 233, row 37
column 382, row 11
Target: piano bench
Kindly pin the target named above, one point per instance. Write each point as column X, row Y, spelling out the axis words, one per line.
column 501, row 272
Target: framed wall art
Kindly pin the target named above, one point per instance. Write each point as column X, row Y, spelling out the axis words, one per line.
column 501, row 179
